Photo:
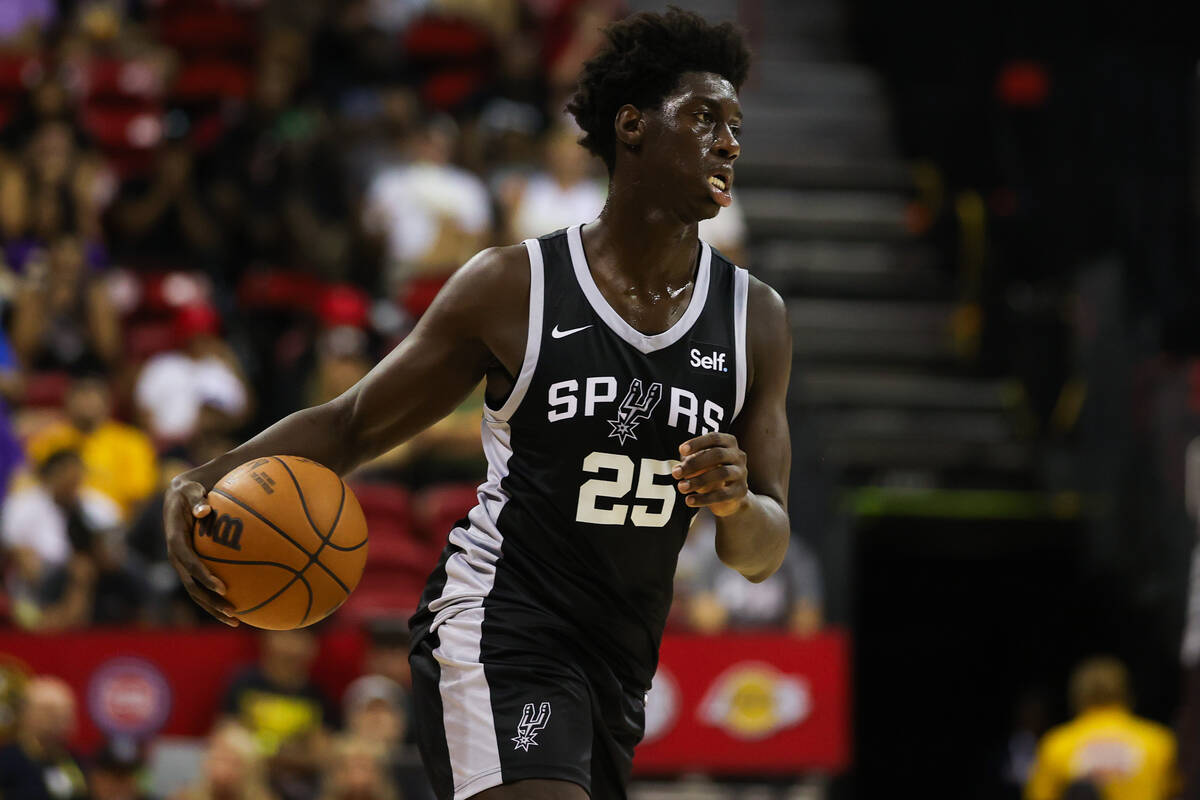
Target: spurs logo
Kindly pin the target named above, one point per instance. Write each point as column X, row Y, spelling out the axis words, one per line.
column 529, row 726
column 636, row 407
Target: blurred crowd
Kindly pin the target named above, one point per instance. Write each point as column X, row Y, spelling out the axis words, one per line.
column 276, row 736
column 216, row 212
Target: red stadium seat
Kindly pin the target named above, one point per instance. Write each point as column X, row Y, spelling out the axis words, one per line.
column 383, row 595
column 120, row 127
column 279, row 289
column 114, row 80
column 46, row 389
column 393, row 548
column 212, row 80
column 385, row 501
column 438, row 508
column 207, row 31
column 146, row 338
column 18, row 73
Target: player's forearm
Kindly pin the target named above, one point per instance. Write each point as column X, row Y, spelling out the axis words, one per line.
column 754, row 539
column 318, row 433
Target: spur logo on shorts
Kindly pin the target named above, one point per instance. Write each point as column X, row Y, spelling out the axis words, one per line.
column 531, row 723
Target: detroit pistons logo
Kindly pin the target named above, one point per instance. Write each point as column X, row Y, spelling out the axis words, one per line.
column 636, row 407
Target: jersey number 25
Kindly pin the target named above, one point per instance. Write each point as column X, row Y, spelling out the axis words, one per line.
column 657, row 494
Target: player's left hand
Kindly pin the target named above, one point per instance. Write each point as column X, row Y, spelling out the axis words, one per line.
column 712, row 473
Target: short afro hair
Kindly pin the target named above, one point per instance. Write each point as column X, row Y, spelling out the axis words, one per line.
column 643, row 61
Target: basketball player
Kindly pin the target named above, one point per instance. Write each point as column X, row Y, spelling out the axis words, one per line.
column 634, row 378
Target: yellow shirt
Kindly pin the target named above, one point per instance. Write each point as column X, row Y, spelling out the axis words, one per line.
column 1129, row 758
column 119, row 460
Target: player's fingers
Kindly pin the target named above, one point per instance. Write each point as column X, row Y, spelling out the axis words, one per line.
column 195, row 498
column 209, row 602
column 730, row 491
column 187, row 563
column 705, row 441
column 713, row 479
column 706, row 460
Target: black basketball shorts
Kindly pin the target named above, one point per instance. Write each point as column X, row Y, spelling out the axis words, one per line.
column 495, row 704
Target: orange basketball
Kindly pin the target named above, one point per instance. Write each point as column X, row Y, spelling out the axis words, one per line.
column 288, row 539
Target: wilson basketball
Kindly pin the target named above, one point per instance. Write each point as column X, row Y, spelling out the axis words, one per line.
column 288, row 539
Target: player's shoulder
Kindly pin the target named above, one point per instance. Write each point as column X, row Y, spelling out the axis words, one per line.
column 767, row 322
column 493, row 274
column 763, row 299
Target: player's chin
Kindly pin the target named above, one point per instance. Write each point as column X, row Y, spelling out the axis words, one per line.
column 708, row 209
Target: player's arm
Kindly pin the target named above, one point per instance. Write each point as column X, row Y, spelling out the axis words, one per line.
column 742, row 476
column 422, row 380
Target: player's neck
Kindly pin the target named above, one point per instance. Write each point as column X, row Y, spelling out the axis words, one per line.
column 646, row 245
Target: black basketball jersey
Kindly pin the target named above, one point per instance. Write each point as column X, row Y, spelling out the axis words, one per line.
column 579, row 524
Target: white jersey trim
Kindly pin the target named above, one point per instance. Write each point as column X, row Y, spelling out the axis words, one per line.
column 646, row 343
column 533, row 335
column 458, row 616
column 741, row 291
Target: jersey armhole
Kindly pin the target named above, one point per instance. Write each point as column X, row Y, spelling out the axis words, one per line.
column 741, row 288
column 533, row 337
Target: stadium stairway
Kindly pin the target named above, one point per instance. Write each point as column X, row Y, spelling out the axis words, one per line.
column 877, row 376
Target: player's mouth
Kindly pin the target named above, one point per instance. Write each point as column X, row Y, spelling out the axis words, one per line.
column 719, row 184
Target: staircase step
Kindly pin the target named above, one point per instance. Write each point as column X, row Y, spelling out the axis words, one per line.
column 851, row 269
column 796, row 81
column 983, row 428
column 892, row 388
column 866, row 455
column 801, row 170
column 870, row 331
column 810, row 214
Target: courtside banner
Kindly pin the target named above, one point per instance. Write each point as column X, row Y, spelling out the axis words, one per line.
column 721, row 705
column 748, row 704
column 143, row 683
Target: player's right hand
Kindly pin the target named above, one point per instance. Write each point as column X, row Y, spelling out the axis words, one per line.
column 184, row 506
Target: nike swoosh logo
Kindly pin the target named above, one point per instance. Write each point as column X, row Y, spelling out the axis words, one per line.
column 557, row 334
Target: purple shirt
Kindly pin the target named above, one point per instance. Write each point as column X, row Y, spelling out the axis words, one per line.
column 16, row 14
column 11, row 454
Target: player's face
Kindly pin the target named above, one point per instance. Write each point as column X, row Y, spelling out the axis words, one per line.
column 691, row 142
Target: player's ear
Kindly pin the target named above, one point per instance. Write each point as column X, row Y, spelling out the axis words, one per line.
column 630, row 126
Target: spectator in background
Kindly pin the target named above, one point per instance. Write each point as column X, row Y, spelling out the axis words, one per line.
column 55, row 187
column 168, row 602
column 289, row 716
column 376, row 709
column 359, row 771
column 37, row 765
column 63, row 318
column 713, row 598
column 114, row 773
column 233, row 768
column 47, row 529
column 161, row 219
column 432, row 215
column 11, row 386
column 1128, row 757
column 196, row 389
column 277, row 179
column 565, row 193
column 119, row 460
